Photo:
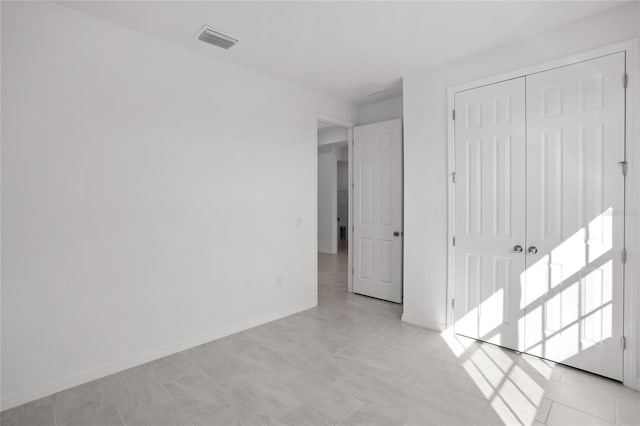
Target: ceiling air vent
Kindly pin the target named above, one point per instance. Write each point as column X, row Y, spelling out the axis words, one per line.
column 209, row 35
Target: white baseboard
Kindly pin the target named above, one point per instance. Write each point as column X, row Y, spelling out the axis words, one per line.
column 423, row 322
column 19, row 398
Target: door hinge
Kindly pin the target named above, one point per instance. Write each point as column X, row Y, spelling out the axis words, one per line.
column 625, row 80
column 453, row 177
column 453, row 114
column 624, row 255
column 453, row 303
column 353, row 185
column 623, row 342
column 453, row 241
column 625, row 167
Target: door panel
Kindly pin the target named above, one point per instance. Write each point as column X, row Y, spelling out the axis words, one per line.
column 489, row 212
column 575, row 215
column 377, row 254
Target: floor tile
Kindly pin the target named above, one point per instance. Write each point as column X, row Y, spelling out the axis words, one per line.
column 447, row 377
column 383, row 415
column 73, row 405
column 543, row 410
column 323, row 312
column 108, row 415
column 265, row 396
column 173, row 415
column 562, row 415
column 325, row 397
column 628, row 413
column 382, row 389
column 498, row 413
column 200, row 397
column 597, row 384
column 304, row 416
column 36, row 413
column 137, row 395
column 364, row 359
column 440, row 409
column 585, row 400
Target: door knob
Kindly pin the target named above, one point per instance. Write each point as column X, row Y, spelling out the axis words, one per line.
column 396, row 234
column 518, row 249
column 532, row 249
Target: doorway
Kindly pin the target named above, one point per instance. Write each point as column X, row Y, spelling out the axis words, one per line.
column 334, row 195
column 343, row 203
column 360, row 214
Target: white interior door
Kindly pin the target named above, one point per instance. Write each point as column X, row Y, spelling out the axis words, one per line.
column 377, row 210
column 489, row 211
column 573, row 297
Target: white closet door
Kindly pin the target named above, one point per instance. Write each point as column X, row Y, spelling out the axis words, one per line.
column 573, row 297
column 377, row 211
column 489, row 211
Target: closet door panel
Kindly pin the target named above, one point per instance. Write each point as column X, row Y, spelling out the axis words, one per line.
column 573, row 286
column 489, row 215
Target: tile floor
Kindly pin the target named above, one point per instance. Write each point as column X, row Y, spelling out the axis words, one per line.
column 349, row 361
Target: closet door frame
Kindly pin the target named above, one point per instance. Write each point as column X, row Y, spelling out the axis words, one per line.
column 631, row 280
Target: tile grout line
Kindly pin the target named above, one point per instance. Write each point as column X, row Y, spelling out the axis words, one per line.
column 53, row 411
column 582, row 411
column 53, row 408
column 171, row 395
column 119, row 414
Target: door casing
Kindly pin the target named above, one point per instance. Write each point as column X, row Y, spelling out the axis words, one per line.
column 631, row 375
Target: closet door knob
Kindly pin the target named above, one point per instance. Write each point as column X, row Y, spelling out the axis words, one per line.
column 518, row 248
column 532, row 250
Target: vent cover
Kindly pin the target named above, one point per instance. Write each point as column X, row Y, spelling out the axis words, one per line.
column 211, row 36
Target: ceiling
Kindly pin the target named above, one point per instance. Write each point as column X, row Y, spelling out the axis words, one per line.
column 347, row 50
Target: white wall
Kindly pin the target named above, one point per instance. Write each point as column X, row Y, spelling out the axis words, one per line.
column 327, row 199
column 425, row 144
column 153, row 198
column 388, row 109
column 333, row 134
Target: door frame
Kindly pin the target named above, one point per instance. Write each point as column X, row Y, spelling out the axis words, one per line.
column 349, row 126
column 631, row 276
